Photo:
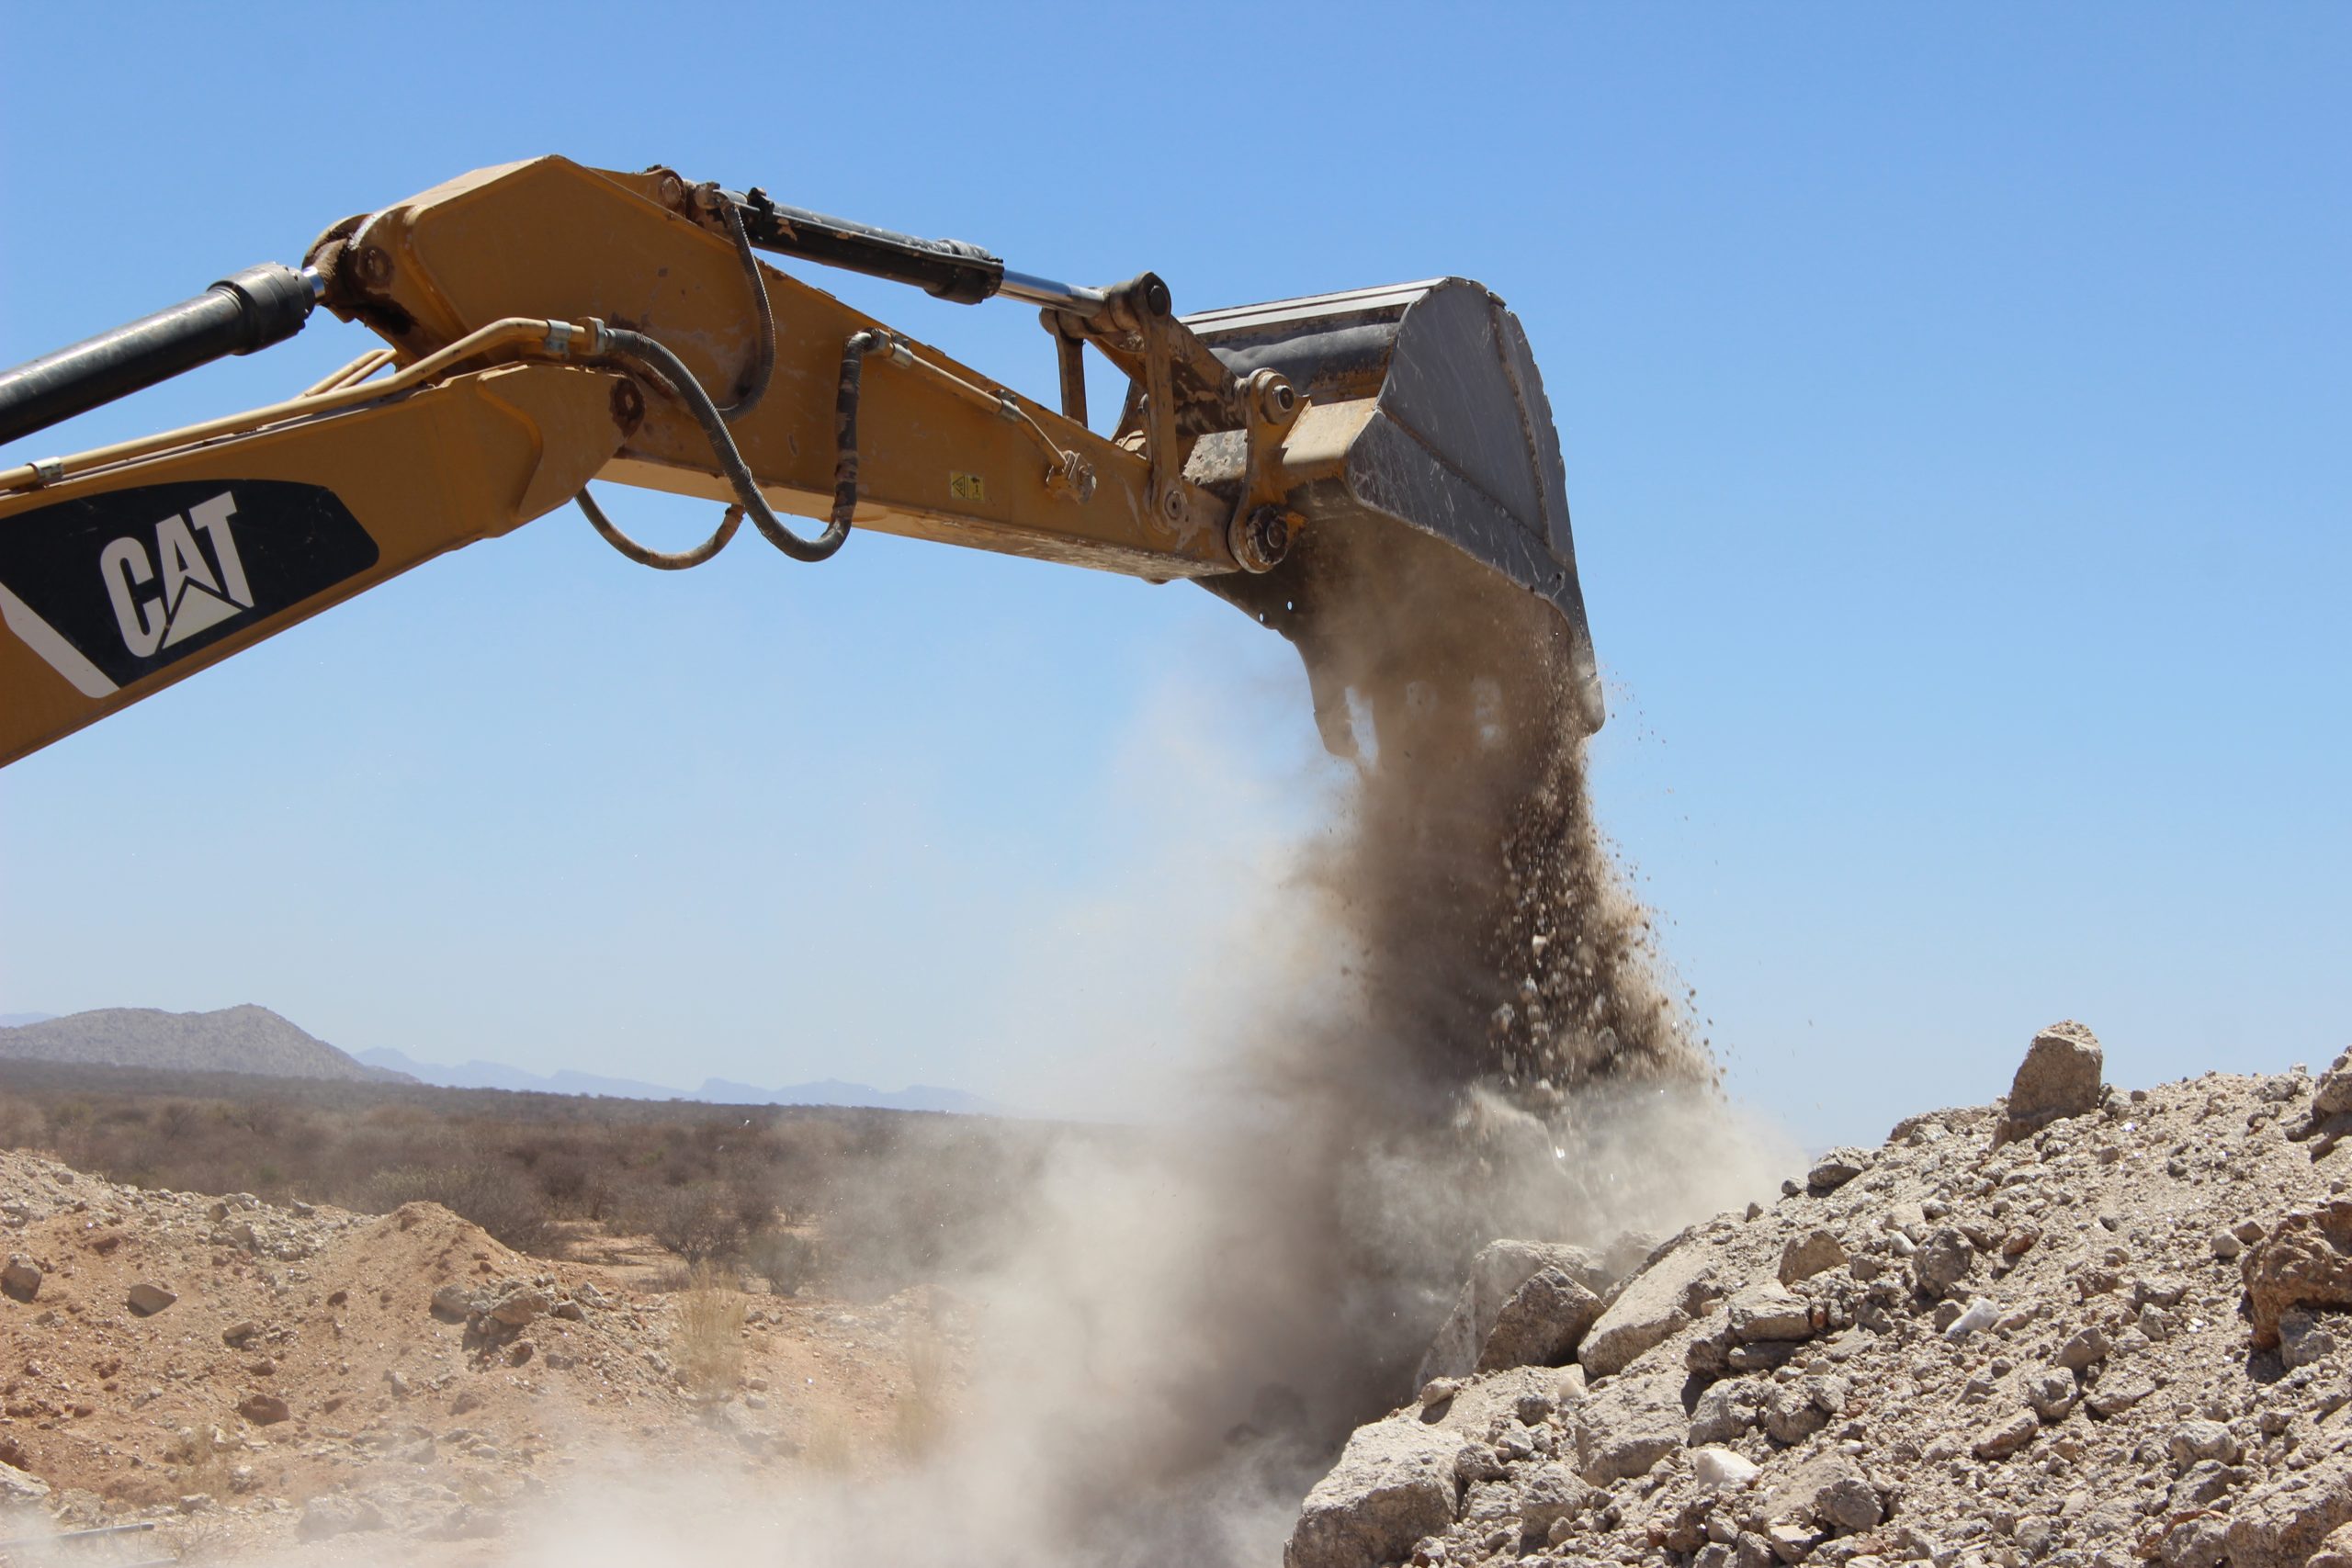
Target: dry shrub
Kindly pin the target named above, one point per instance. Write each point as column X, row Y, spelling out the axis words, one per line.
column 901, row 1197
column 696, row 1223
column 785, row 1258
column 710, row 1331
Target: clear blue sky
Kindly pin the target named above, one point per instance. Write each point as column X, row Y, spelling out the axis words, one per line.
column 1956, row 413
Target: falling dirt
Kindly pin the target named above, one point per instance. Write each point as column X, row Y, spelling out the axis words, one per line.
column 1476, row 1040
column 1510, row 1031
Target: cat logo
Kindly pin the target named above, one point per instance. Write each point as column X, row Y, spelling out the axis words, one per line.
column 121, row 584
column 195, row 593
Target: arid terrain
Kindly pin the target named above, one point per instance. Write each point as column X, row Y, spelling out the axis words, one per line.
column 2083, row 1325
column 243, row 1371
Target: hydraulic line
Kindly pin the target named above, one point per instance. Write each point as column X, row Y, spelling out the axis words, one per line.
column 659, row 560
column 750, row 390
column 748, row 396
column 651, row 357
column 853, row 352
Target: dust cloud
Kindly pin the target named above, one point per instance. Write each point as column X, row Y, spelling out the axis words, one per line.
column 1458, row 1028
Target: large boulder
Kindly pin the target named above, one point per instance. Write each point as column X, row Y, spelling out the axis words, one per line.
column 1669, row 1295
column 1836, row 1168
column 1394, row 1484
column 519, row 1306
column 2335, row 1552
column 1794, row 1411
column 1816, row 1252
column 1728, row 1410
column 147, row 1298
column 1769, row 1311
column 1495, row 1276
column 1541, row 1324
column 2059, row 1078
column 2283, row 1524
column 1942, row 1261
column 263, row 1409
column 2305, row 1259
column 1550, row 1494
column 1625, row 1429
column 2332, row 1095
column 1828, row 1490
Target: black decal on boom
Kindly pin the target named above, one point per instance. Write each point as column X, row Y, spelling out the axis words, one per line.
column 135, row 580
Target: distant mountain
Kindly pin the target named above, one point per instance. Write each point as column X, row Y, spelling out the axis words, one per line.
column 18, row 1019
column 834, row 1091
column 496, row 1074
column 715, row 1091
column 233, row 1040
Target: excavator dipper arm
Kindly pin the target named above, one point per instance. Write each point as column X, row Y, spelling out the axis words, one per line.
column 546, row 324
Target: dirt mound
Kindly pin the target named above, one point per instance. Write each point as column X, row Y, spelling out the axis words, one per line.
column 245, row 1372
column 2105, row 1338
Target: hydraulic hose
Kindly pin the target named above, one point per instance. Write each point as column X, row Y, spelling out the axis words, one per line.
column 659, row 560
column 651, row 356
column 764, row 358
column 853, row 352
column 750, row 391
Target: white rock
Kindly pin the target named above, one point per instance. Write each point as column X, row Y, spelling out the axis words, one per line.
column 1719, row 1467
column 1981, row 1314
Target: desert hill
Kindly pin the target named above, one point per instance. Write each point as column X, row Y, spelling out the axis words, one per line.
column 246, row 1038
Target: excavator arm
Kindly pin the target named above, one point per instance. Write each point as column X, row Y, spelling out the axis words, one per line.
column 1339, row 467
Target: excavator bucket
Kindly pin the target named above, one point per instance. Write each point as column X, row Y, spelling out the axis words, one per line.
column 1435, row 553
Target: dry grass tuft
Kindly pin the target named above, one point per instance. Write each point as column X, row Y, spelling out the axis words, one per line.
column 920, row 1419
column 826, row 1445
column 710, row 1331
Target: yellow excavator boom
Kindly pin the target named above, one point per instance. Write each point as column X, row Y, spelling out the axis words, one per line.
column 1320, row 463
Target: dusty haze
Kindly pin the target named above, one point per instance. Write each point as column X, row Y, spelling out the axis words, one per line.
column 1453, row 1025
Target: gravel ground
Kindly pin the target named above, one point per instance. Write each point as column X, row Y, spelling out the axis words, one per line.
column 2081, row 1326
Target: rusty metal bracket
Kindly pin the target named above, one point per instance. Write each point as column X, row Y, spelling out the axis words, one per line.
column 1262, row 526
column 1070, row 355
column 1176, row 390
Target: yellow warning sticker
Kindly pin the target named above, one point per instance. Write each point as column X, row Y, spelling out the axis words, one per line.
column 966, row 486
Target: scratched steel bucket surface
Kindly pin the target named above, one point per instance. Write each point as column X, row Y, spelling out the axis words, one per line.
column 1437, row 490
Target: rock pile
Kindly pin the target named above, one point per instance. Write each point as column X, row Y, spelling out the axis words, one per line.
column 2082, row 1327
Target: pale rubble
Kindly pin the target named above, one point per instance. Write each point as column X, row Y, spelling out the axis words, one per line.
column 2081, row 1327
